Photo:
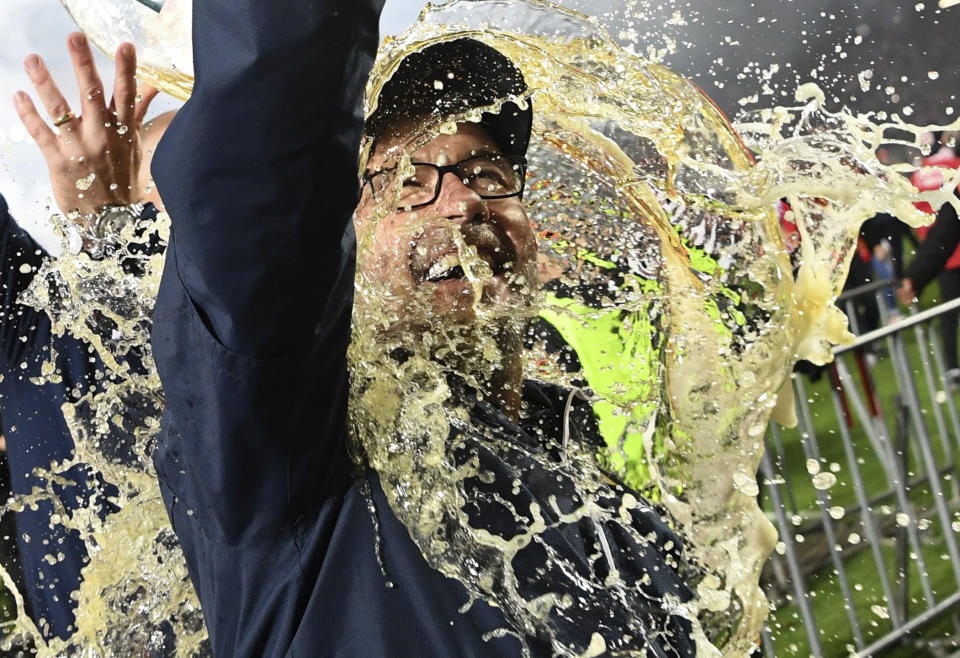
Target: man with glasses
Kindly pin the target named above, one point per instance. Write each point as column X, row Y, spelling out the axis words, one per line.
column 292, row 550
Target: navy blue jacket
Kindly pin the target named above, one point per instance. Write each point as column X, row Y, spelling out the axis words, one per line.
column 36, row 431
column 258, row 173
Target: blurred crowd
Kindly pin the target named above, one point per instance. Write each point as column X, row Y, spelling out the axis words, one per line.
column 910, row 260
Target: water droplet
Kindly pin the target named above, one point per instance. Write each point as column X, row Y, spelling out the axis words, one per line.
column 824, row 481
column 86, row 182
column 746, row 484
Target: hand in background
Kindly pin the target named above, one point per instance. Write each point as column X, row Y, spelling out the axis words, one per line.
column 95, row 158
column 905, row 292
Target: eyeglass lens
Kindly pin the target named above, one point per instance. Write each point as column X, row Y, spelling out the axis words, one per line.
column 490, row 176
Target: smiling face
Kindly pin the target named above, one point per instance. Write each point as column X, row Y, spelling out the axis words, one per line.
column 455, row 256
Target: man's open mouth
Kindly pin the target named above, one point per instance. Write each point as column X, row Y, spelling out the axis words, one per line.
column 445, row 269
column 449, row 267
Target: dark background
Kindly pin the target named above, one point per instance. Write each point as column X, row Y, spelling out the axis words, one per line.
column 726, row 48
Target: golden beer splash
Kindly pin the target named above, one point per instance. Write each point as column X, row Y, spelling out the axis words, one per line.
column 666, row 294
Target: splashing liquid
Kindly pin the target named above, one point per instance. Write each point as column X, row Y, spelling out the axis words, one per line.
column 664, row 296
column 161, row 31
column 664, row 275
column 136, row 597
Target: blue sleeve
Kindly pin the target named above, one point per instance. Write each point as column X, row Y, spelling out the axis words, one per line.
column 36, row 431
column 20, row 256
column 258, row 175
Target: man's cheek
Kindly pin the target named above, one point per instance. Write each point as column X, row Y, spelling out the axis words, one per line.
column 391, row 264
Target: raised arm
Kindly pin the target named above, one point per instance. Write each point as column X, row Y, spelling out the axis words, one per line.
column 259, row 168
column 258, row 174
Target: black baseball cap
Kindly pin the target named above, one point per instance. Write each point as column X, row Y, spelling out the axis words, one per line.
column 452, row 77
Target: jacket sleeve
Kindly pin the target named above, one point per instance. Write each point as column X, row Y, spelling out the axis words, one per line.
column 932, row 254
column 20, row 256
column 258, row 175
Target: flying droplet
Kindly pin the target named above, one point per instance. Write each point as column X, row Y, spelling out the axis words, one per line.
column 824, row 481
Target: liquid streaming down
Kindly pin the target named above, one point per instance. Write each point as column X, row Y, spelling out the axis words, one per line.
column 665, row 293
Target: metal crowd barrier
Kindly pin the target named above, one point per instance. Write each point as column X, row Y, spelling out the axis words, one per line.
column 875, row 558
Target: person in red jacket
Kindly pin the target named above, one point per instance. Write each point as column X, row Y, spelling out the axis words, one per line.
column 939, row 253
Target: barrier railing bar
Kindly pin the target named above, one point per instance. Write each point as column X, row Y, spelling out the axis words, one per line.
column 766, row 643
column 930, row 463
column 850, row 309
column 895, row 636
column 915, row 444
column 896, row 482
column 876, row 499
column 869, row 523
column 812, row 451
column 889, row 330
column 782, row 455
column 865, row 288
column 793, row 564
column 932, row 391
column 878, row 437
column 948, row 389
column 882, row 307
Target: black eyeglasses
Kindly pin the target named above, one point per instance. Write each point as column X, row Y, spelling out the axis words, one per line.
column 491, row 176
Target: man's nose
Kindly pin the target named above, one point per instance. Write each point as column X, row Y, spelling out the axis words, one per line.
column 459, row 202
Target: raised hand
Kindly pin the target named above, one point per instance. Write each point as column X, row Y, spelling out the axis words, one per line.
column 94, row 158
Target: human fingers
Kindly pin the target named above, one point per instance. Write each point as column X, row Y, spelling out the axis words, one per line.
column 906, row 293
column 35, row 125
column 91, row 87
column 125, row 85
column 145, row 95
column 50, row 96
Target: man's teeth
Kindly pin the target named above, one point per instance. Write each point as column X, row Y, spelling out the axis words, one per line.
column 444, row 267
column 450, row 267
